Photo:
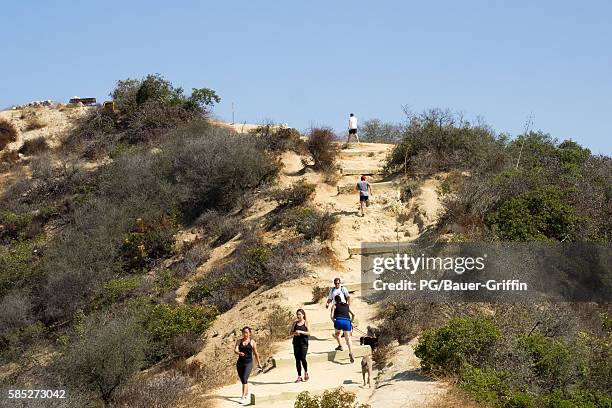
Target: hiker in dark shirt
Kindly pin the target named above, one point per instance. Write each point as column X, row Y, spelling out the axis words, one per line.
column 300, row 331
column 245, row 349
column 343, row 316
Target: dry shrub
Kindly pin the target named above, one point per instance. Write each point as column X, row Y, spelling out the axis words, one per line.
column 160, row 391
column 34, row 146
column 8, row 133
column 279, row 322
column 323, row 149
column 35, row 122
column 299, row 193
column 328, row 257
column 403, row 321
column 381, row 355
column 318, row 293
column 186, row 344
column 331, row 178
column 8, row 159
column 453, row 398
column 311, row 222
column 279, row 139
column 221, row 227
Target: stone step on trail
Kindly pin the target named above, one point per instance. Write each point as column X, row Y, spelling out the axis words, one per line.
column 276, row 387
column 382, row 248
column 333, row 356
column 376, row 187
column 347, row 171
column 358, row 153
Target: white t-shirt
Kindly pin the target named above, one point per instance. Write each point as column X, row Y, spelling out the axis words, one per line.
column 342, row 291
column 352, row 122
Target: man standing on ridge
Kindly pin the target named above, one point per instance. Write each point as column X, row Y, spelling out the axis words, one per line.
column 352, row 129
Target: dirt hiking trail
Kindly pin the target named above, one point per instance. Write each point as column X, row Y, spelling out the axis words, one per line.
column 398, row 384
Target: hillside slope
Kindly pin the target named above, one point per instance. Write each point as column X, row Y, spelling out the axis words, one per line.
column 276, row 388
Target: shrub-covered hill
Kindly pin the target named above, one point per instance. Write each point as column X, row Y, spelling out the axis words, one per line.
column 90, row 258
column 495, row 188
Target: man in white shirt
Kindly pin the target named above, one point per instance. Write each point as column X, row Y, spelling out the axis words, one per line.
column 352, row 130
column 337, row 289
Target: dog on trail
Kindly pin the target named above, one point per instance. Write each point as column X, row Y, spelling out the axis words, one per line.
column 366, row 361
column 366, row 367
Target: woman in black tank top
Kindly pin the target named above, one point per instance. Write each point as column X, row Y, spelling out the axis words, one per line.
column 245, row 349
column 300, row 332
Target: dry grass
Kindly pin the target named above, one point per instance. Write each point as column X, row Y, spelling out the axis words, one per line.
column 35, row 122
column 454, row 398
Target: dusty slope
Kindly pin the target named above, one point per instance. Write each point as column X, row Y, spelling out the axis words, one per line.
column 56, row 120
column 400, row 386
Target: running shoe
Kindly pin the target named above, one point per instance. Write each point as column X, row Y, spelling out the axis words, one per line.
column 306, row 376
column 339, row 348
column 351, row 357
column 299, row 379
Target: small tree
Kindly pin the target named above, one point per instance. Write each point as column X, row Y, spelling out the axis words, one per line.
column 105, row 355
column 322, row 148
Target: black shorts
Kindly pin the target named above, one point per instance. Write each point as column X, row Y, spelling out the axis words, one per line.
column 352, row 131
column 363, row 198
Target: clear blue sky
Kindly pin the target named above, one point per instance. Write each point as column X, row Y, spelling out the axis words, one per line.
column 313, row 62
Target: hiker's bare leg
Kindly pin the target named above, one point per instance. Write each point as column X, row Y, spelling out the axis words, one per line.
column 337, row 336
column 347, row 338
column 245, row 389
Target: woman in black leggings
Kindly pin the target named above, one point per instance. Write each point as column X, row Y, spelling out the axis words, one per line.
column 300, row 332
column 245, row 348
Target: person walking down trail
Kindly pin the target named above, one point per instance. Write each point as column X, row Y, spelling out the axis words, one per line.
column 337, row 289
column 352, row 129
column 365, row 191
column 343, row 316
column 300, row 332
column 245, row 348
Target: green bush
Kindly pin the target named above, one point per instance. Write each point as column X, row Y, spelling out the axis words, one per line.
column 117, row 290
column 484, row 385
column 553, row 360
column 165, row 322
column 146, row 109
column 438, row 140
column 204, row 288
column 577, row 399
column 18, row 265
column 14, row 226
column 536, row 215
column 335, row 398
column 459, row 342
column 375, row 131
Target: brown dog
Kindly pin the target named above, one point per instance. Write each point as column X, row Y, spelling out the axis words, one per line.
column 366, row 367
column 366, row 361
